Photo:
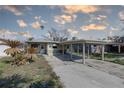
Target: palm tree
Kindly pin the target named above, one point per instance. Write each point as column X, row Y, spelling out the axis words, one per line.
column 31, row 53
column 13, row 46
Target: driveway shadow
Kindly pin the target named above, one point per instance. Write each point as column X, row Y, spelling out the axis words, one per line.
column 67, row 57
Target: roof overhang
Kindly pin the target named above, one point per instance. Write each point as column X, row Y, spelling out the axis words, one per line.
column 96, row 42
column 46, row 42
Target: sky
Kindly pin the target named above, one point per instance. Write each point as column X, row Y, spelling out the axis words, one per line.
column 84, row 22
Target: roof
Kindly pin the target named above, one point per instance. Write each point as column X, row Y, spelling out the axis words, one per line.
column 92, row 42
column 77, row 41
column 41, row 41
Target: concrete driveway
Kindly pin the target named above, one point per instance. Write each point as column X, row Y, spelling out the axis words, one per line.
column 77, row 75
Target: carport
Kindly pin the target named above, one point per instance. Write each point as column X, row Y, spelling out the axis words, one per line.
column 88, row 43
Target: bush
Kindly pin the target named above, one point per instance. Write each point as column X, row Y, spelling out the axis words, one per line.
column 49, row 83
column 31, row 57
column 52, row 82
column 19, row 59
column 96, row 56
column 43, row 84
column 22, row 58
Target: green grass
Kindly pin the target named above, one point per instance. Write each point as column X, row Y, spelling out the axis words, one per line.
column 118, row 61
column 110, row 57
column 113, row 55
column 95, row 56
column 107, row 55
column 3, row 63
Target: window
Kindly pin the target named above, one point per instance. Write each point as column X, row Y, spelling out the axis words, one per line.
column 42, row 47
column 34, row 45
column 54, row 46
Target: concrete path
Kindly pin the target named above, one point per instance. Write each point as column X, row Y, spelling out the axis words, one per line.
column 76, row 75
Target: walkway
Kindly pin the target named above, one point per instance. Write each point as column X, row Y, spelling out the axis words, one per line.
column 77, row 75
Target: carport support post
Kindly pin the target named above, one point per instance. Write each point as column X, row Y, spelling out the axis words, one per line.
column 78, row 49
column 119, row 48
column 88, row 51
column 63, row 49
column 103, row 48
column 71, row 51
column 83, row 55
column 39, row 48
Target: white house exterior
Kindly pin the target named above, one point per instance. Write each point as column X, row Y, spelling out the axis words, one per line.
column 44, row 46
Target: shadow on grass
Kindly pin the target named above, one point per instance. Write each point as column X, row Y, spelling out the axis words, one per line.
column 14, row 81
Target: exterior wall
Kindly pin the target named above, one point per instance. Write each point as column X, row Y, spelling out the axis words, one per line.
column 46, row 48
column 41, row 48
column 51, row 50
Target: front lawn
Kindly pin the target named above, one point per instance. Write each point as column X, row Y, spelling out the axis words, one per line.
column 32, row 75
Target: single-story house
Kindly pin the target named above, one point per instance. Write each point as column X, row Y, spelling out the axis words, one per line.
column 90, row 46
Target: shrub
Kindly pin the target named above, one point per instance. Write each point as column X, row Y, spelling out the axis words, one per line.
column 51, row 82
column 20, row 59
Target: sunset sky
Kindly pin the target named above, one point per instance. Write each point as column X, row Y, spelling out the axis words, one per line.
column 84, row 22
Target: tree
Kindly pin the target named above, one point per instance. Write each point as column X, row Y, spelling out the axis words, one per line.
column 55, row 35
column 31, row 55
column 30, row 39
column 13, row 46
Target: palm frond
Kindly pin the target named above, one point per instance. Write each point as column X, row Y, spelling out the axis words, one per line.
column 12, row 51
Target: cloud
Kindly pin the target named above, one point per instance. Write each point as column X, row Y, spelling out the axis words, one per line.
column 62, row 19
column 72, row 32
column 37, row 17
column 5, row 32
column 100, row 18
column 71, row 9
column 36, row 25
column 22, row 23
column 121, row 15
column 12, row 8
column 114, row 29
column 92, row 27
column 25, row 34
column 29, row 8
column 43, row 21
